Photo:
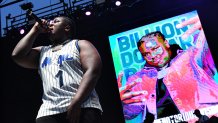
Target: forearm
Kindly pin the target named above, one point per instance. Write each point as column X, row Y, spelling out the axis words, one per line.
column 24, row 46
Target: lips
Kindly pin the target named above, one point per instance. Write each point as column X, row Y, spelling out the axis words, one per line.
column 157, row 59
column 50, row 30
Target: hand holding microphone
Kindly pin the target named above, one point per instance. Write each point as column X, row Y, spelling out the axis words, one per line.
column 43, row 23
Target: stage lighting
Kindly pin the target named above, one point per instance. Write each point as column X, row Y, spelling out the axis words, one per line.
column 22, row 31
column 88, row 10
column 118, row 3
column 88, row 13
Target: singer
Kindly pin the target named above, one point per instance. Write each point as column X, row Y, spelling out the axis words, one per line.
column 69, row 69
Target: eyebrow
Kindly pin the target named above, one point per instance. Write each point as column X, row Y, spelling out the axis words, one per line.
column 57, row 18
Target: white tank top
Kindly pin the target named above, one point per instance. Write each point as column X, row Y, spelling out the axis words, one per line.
column 61, row 75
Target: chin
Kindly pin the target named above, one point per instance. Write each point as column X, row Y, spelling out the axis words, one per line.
column 161, row 65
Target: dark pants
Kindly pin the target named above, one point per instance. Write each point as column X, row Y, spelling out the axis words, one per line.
column 88, row 115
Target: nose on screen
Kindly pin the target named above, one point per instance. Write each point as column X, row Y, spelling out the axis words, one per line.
column 157, row 51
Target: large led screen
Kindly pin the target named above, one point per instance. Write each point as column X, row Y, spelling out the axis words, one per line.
column 165, row 69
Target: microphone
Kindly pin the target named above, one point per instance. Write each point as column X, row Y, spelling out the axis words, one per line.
column 37, row 19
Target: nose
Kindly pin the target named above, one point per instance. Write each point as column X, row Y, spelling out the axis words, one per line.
column 154, row 54
column 157, row 51
column 50, row 23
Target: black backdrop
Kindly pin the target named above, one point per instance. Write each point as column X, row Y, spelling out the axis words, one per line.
column 21, row 88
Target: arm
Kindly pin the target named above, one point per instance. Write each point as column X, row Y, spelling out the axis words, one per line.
column 91, row 64
column 23, row 54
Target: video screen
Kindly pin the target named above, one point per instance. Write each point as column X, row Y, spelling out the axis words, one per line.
column 165, row 71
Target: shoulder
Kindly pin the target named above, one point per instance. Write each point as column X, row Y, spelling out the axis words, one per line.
column 85, row 44
column 206, row 116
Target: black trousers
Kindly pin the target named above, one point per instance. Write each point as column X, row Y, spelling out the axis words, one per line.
column 88, row 115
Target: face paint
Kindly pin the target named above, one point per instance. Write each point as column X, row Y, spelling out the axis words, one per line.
column 154, row 50
column 151, row 43
column 158, row 51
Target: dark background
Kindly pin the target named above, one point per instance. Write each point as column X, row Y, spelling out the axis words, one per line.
column 21, row 89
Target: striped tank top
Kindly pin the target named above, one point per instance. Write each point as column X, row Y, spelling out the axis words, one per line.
column 61, row 74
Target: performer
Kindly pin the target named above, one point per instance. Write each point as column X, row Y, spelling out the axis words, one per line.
column 69, row 69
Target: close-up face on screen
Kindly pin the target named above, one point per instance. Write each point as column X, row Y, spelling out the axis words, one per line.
column 165, row 71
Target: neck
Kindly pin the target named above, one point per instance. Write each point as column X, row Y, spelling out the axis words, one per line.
column 56, row 47
column 61, row 42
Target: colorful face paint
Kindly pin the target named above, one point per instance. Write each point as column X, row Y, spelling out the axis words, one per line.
column 151, row 43
column 157, row 51
column 154, row 51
